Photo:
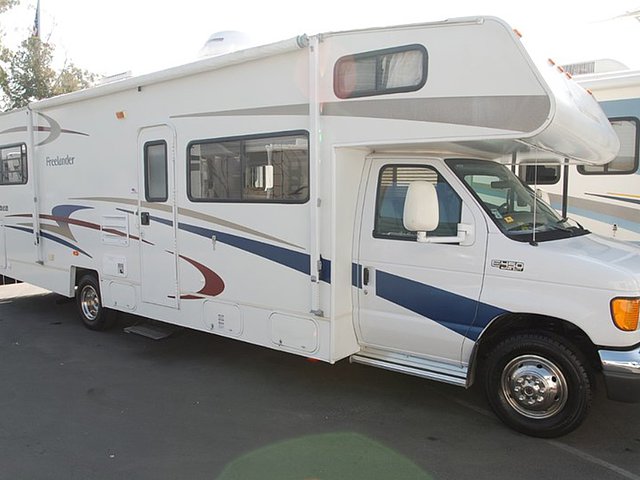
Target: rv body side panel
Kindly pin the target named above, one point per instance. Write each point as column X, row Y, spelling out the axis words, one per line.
column 243, row 268
column 343, row 211
column 17, row 194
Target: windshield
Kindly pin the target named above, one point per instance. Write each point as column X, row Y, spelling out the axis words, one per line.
column 510, row 203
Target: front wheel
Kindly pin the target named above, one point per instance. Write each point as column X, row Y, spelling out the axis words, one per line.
column 538, row 385
column 94, row 316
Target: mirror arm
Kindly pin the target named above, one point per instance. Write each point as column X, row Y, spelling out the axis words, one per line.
column 464, row 231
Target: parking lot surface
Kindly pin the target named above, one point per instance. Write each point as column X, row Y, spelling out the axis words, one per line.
column 78, row 404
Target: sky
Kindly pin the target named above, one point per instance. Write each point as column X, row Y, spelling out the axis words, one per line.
column 142, row 36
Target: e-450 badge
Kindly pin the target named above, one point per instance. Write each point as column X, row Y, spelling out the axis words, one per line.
column 510, row 265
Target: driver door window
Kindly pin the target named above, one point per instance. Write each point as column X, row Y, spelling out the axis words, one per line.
column 393, row 182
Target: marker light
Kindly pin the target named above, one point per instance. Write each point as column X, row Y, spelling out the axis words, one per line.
column 625, row 313
column 517, row 32
column 121, row 115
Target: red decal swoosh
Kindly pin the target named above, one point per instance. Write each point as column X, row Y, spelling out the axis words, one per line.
column 213, row 284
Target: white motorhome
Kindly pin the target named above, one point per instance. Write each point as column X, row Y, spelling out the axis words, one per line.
column 603, row 198
column 339, row 196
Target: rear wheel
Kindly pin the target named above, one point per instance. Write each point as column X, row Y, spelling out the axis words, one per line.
column 538, row 385
column 89, row 303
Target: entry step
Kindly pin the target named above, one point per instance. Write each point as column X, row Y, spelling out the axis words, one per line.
column 153, row 330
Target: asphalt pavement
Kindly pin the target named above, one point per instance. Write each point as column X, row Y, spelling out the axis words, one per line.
column 78, row 404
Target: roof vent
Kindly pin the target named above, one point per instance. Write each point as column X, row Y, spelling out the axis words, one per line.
column 224, row 42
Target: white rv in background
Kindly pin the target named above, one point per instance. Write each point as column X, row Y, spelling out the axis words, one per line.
column 603, row 198
column 339, row 196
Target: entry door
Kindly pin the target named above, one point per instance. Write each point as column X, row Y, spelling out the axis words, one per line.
column 416, row 298
column 157, row 216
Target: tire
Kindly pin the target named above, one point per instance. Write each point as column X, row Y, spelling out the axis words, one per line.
column 538, row 385
column 89, row 302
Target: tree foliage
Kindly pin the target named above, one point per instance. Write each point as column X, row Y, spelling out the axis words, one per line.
column 4, row 53
column 31, row 77
column 7, row 4
column 27, row 74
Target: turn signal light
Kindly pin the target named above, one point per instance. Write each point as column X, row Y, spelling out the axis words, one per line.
column 625, row 313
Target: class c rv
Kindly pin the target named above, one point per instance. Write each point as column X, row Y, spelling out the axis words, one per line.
column 347, row 195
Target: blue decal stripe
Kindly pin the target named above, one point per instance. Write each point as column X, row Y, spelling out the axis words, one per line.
column 288, row 258
column 67, row 210
column 52, row 238
column 22, row 229
column 450, row 310
column 161, row 220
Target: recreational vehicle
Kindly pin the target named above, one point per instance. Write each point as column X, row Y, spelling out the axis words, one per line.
column 603, row 198
column 348, row 195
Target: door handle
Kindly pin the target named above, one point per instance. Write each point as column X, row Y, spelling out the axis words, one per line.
column 144, row 218
column 365, row 276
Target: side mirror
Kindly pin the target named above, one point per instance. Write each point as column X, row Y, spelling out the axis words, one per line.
column 422, row 215
column 421, row 210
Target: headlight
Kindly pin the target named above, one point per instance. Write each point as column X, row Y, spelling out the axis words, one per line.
column 625, row 313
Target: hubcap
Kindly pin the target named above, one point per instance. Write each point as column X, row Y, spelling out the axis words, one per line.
column 534, row 386
column 90, row 303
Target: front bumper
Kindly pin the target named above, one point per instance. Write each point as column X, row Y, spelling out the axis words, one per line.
column 621, row 370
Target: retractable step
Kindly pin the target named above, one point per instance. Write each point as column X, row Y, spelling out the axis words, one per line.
column 412, row 366
column 153, row 330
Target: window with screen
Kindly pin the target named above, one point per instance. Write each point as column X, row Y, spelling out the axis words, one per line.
column 13, row 164
column 626, row 162
column 269, row 168
column 393, row 183
column 394, row 70
column 155, row 171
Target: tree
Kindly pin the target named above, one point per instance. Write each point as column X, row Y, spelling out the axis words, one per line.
column 30, row 74
column 5, row 53
column 31, row 77
column 27, row 75
column 7, row 4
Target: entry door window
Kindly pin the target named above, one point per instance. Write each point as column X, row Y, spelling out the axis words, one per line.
column 155, row 171
column 393, row 183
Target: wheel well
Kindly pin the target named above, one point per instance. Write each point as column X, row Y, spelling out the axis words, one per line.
column 81, row 272
column 514, row 323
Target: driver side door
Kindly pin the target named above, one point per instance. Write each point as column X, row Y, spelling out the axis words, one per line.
column 417, row 298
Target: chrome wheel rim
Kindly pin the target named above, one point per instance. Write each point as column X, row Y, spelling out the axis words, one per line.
column 534, row 386
column 90, row 303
